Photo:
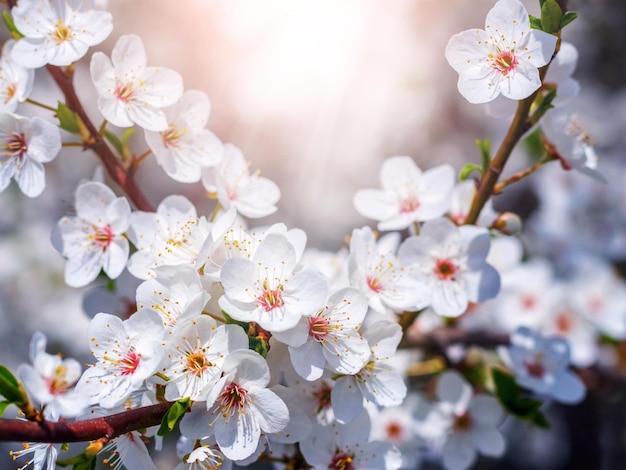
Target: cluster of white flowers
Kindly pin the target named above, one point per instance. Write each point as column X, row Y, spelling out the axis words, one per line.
column 272, row 354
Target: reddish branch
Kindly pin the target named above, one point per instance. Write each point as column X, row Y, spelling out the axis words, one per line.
column 116, row 170
column 82, row 431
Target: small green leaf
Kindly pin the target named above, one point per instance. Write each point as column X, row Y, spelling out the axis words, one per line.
column 126, row 135
column 81, row 461
column 534, row 145
column 551, row 15
column 110, row 285
column 10, row 387
column 173, row 416
column 510, row 395
column 258, row 345
column 535, row 23
column 468, row 169
column 10, row 24
column 568, row 17
column 115, row 142
column 68, row 119
column 4, row 405
column 484, row 146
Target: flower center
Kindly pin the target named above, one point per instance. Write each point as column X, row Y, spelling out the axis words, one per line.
column 58, row 384
column 528, row 302
column 61, row 33
column 9, row 92
column 462, row 422
column 15, row 146
column 197, row 363
column 103, row 236
column 271, row 298
column 171, row 136
column 445, row 269
column 505, row 62
column 341, row 461
column 233, row 400
column 408, row 205
column 535, row 369
column 322, row 396
column 130, row 362
column 394, row 431
column 319, row 328
column 124, row 91
column 564, row 322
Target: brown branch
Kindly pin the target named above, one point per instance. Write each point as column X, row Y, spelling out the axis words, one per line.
column 106, row 427
column 97, row 143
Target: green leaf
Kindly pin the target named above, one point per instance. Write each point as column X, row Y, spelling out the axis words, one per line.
column 10, row 387
column 467, row 170
column 258, row 345
column 4, row 405
column 126, row 135
column 114, row 141
column 484, row 146
column 551, row 15
column 541, row 2
column 509, row 394
column 568, row 17
column 534, row 145
column 173, row 416
column 231, row 321
column 10, row 24
column 80, row 461
column 535, row 23
column 68, row 119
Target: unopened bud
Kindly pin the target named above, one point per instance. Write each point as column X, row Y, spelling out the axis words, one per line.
column 508, row 223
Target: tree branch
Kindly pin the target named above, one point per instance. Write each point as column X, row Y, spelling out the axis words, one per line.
column 106, row 427
column 97, row 143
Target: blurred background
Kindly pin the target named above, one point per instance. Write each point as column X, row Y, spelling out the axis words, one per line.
column 316, row 93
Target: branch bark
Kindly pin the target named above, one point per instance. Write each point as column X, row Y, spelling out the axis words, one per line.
column 106, row 427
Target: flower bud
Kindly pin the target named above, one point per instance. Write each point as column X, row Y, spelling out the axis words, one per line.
column 508, row 223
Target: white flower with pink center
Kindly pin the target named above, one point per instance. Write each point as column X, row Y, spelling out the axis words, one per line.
column 16, row 82
column 130, row 92
column 330, row 338
column 127, row 352
column 173, row 236
column 270, row 288
column 377, row 381
column 541, row 365
column 408, row 195
column 473, row 422
column 234, row 186
column 50, row 381
column 503, row 58
column 95, row 238
column 185, row 147
column 389, row 284
column 240, row 407
column 196, row 351
column 451, row 262
column 57, row 32
column 25, row 145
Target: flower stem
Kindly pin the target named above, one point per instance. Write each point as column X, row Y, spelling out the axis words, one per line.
column 41, row 105
column 522, row 174
column 520, row 124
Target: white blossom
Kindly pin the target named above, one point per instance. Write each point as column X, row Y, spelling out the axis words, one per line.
column 16, row 82
column 503, row 58
column 130, row 92
column 57, row 32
